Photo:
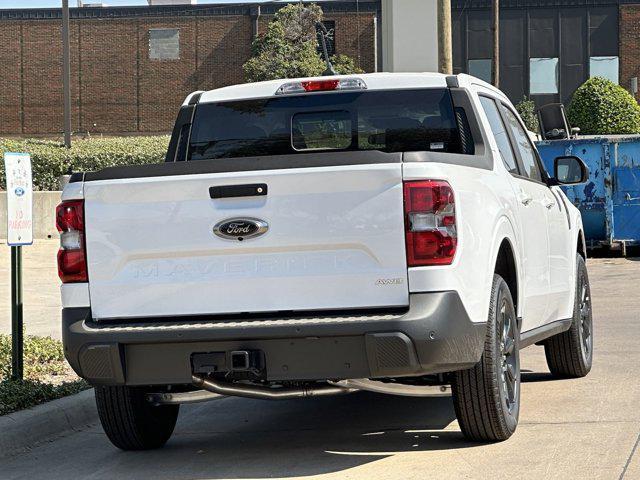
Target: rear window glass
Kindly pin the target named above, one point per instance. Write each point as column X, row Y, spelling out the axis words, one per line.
column 389, row 121
column 321, row 131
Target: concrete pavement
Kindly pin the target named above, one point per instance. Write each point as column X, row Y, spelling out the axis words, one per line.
column 587, row 428
column 41, row 288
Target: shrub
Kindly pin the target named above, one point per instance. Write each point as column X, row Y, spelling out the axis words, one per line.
column 44, row 363
column 289, row 48
column 600, row 107
column 345, row 65
column 51, row 159
column 16, row 396
column 527, row 110
column 43, row 356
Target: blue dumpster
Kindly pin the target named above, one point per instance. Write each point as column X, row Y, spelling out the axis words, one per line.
column 610, row 201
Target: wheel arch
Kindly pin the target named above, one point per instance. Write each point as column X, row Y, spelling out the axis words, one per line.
column 505, row 266
column 506, row 260
column 581, row 244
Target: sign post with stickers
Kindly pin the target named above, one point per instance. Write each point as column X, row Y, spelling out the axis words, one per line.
column 19, row 233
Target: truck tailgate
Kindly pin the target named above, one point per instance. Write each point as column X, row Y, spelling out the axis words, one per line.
column 335, row 240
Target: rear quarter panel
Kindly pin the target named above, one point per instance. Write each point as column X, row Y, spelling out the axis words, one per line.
column 484, row 205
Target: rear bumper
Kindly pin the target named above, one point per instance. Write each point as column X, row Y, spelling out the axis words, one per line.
column 434, row 335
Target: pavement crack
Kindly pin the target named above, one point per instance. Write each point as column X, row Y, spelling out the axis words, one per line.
column 633, row 451
column 10, row 418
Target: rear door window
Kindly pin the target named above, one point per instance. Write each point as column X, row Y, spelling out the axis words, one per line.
column 523, row 144
column 499, row 133
column 385, row 120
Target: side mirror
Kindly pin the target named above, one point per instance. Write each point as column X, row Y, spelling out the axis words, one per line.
column 570, row 170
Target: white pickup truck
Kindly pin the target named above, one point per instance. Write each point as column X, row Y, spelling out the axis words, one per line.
column 387, row 232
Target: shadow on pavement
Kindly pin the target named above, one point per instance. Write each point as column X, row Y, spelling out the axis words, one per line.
column 533, row 377
column 242, row 438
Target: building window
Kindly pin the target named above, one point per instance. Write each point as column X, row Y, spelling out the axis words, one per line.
column 481, row 68
column 543, row 76
column 164, row 44
column 331, row 38
column 606, row 67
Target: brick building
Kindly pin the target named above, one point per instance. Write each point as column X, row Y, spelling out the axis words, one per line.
column 131, row 67
column 629, row 42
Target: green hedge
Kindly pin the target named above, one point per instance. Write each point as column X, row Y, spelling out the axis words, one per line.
column 51, row 159
column 16, row 395
column 600, row 107
column 43, row 356
column 43, row 362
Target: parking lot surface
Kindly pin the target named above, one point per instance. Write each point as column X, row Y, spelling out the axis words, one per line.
column 40, row 285
column 583, row 429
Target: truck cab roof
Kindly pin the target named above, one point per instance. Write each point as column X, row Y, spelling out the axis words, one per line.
column 373, row 81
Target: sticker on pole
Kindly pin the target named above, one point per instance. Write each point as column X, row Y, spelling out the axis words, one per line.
column 19, row 199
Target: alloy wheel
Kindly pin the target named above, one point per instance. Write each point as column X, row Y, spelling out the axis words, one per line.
column 509, row 356
column 586, row 320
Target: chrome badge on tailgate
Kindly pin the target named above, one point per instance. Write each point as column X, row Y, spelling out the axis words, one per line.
column 240, row 228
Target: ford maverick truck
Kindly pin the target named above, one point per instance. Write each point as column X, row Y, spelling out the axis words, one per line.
column 319, row 236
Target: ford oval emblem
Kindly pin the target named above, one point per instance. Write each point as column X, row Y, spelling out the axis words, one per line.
column 240, row 228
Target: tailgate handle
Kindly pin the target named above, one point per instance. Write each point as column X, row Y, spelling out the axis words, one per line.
column 246, row 190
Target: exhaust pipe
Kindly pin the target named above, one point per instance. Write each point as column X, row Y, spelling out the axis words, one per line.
column 267, row 393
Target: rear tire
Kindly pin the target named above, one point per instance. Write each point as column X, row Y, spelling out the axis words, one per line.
column 570, row 354
column 487, row 397
column 132, row 423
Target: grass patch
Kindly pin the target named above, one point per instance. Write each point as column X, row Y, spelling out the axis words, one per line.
column 47, row 374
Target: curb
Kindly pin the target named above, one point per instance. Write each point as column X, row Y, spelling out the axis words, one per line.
column 22, row 430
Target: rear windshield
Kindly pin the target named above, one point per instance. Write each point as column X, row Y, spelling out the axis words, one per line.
column 389, row 121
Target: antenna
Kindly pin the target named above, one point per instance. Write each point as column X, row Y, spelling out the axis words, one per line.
column 322, row 32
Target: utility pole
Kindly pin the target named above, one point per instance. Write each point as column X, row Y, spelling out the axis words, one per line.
column 66, row 73
column 495, row 61
column 445, row 61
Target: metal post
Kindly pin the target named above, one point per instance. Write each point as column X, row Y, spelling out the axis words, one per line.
column 66, row 73
column 375, row 44
column 17, row 360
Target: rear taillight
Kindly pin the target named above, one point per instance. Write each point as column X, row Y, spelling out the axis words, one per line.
column 72, row 260
column 430, row 223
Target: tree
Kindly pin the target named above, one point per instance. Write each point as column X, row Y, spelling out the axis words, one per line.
column 601, row 107
column 289, row 47
column 527, row 110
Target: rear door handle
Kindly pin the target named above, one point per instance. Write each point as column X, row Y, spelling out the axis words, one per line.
column 232, row 191
column 526, row 200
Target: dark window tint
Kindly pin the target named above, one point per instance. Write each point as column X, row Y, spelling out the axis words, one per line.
column 523, row 144
column 386, row 120
column 500, row 134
